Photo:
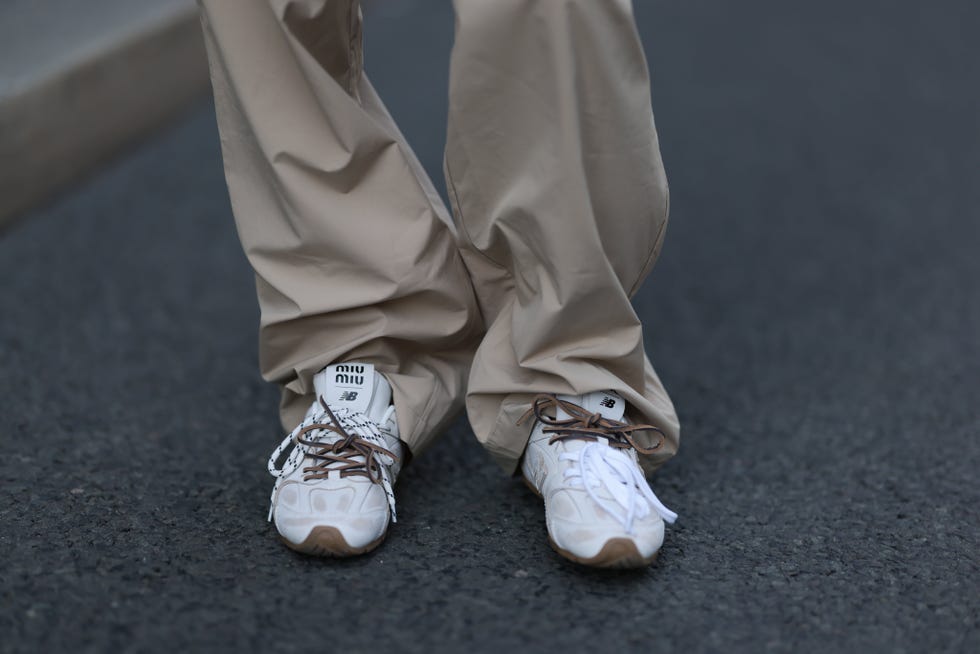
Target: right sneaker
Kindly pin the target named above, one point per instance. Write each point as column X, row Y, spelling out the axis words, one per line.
column 582, row 459
column 333, row 495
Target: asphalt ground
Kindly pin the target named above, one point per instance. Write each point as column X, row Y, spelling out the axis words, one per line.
column 815, row 315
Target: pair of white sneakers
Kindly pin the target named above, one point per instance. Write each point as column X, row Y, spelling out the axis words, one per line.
column 333, row 494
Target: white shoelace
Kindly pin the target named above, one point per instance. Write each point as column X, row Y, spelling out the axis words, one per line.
column 354, row 422
column 599, row 465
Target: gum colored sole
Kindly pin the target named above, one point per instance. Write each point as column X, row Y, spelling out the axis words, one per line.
column 617, row 553
column 328, row 541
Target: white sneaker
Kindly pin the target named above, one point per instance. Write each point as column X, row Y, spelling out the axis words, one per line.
column 599, row 509
column 333, row 495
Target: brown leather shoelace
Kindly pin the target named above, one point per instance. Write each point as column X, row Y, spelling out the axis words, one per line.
column 588, row 426
column 343, row 452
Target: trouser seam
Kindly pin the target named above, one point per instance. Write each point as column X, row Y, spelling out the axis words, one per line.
column 454, row 198
column 652, row 256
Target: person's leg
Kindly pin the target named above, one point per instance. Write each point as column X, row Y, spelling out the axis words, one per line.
column 355, row 265
column 559, row 191
column 560, row 196
column 353, row 252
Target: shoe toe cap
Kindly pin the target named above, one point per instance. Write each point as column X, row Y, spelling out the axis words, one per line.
column 359, row 514
column 585, row 536
column 607, row 548
column 649, row 537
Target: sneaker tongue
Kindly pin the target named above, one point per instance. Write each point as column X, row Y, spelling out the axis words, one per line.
column 354, row 386
column 608, row 404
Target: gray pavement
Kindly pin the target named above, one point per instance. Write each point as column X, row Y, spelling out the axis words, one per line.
column 80, row 80
column 43, row 38
column 815, row 315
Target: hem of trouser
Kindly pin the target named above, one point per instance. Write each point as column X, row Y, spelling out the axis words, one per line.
column 414, row 441
column 509, row 457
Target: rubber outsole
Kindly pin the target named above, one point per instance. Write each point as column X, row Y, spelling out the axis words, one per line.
column 616, row 553
column 329, row 542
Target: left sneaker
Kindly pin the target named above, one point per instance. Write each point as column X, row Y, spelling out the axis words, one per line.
column 333, row 495
column 583, row 461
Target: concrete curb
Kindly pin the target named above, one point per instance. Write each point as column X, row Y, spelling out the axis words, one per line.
column 68, row 120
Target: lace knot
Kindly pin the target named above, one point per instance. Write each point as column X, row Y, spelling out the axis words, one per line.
column 357, row 448
column 604, row 462
column 588, row 426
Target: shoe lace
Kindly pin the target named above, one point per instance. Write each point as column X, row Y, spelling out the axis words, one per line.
column 346, row 442
column 605, row 461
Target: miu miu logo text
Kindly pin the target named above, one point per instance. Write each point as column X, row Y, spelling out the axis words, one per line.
column 350, row 374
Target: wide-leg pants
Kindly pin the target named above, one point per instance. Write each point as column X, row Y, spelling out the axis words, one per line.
column 559, row 206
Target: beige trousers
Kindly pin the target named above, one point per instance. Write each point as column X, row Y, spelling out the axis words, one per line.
column 559, row 208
